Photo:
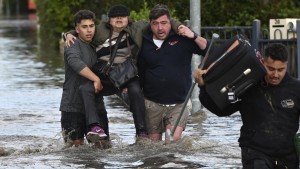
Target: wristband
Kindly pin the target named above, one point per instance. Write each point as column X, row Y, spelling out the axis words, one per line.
column 195, row 36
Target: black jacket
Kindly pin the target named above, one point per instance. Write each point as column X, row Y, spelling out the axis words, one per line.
column 165, row 72
column 270, row 116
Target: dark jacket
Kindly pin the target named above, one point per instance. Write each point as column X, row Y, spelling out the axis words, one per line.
column 270, row 116
column 76, row 57
column 165, row 72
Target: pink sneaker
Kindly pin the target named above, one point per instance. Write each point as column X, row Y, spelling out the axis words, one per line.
column 142, row 135
column 95, row 134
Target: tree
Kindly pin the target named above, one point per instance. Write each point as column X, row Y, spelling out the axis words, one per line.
column 56, row 16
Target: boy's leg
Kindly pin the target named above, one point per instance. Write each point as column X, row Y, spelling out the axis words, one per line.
column 73, row 128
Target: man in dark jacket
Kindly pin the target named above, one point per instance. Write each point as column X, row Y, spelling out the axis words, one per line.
column 79, row 58
column 165, row 71
column 270, row 114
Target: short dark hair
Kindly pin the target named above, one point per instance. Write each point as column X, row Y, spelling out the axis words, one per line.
column 276, row 51
column 84, row 14
column 158, row 11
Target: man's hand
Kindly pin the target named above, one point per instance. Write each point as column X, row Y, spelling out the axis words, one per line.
column 87, row 73
column 69, row 38
column 125, row 90
column 185, row 31
column 198, row 76
column 98, row 86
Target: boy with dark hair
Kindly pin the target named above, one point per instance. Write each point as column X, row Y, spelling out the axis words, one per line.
column 79, row 58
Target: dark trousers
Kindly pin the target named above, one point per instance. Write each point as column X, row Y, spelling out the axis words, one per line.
column 95, row 112
column 73, row 125
column 253, row 159
column 137, row 105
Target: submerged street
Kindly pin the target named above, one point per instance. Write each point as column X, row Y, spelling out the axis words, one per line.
column 30, row 92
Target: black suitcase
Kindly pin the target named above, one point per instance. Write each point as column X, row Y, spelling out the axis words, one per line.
column 236, row 67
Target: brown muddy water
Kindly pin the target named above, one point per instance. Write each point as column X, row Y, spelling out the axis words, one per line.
column 30, row 91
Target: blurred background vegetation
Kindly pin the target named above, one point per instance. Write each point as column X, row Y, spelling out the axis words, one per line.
column 56, row 16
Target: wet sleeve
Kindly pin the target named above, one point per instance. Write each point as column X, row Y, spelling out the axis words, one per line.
column 175, row 24
column 73, row 57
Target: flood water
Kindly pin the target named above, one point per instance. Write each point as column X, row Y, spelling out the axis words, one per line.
column 30, row 89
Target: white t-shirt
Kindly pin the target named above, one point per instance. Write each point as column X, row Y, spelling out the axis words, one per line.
column 157, row 42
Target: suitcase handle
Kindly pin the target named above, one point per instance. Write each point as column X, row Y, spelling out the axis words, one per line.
column 230, row 85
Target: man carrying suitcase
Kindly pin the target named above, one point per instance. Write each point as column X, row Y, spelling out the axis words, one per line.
column 270, row 113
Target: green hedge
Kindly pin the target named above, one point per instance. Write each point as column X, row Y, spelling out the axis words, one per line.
column 56, row 16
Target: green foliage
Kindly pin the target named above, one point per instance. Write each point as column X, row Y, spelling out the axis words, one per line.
column 143, row 13
column 56, row 16
column 242, row 13
column 179, row 9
